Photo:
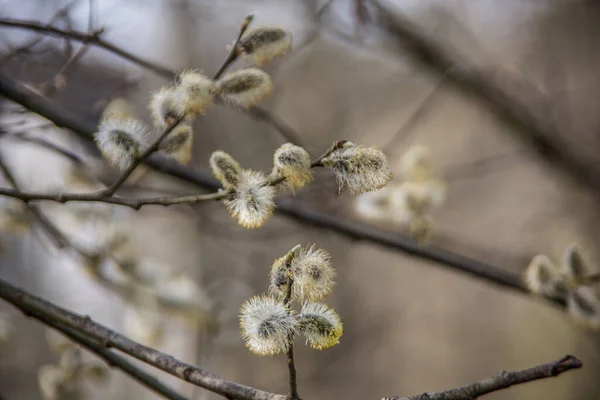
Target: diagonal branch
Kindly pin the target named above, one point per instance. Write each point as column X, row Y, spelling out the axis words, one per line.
column 539, row 134
column 36, row 307
column 502, row 380
column 289, row 207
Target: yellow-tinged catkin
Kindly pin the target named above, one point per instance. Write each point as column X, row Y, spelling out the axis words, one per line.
column 225, row 169
column 245, row 88
column 118, row 108
column 263, row 43
column 543, row 277
column 293, row 162
column 320, row 325
column 196, row 91
column 178, row 143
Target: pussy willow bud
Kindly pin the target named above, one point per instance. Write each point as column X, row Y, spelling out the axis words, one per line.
column 245, row 88
column 421, row 228
column 225, row 169
column 196, row 91
column 293, row 162
column 576, row 263
column 118, row 108
column 584, row 306
column 178, row 143
column 120, row 140
column 320, row 325
column 359, row 168
column 542, row 277
column 263, row 43
column 267, row 326
column 167, row 106
column 253, row 201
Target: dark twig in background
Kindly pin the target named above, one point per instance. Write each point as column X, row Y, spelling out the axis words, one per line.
column 502, row 380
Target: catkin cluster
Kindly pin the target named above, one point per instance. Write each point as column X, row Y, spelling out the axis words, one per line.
column 410, row 201
column 269, row 324
column 571, row 281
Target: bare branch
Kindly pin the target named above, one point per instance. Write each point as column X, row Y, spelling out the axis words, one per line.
column 235, row 51
column 502, row 380
column 34, row 306
column 291, row 208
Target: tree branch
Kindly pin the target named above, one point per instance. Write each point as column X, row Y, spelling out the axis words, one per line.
column 540, row 135
column 35, row 306
column 289, row 207
column 502, row 380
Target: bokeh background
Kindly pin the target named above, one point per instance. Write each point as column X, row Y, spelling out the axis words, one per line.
column 410, row 326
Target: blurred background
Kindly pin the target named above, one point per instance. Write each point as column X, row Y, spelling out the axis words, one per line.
column 410, row 325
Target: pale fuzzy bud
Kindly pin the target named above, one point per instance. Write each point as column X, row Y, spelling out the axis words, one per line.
column 253, row 202
column 320, row 325
column 376, row 206
column 225, row 169
column 421, row 228
column 576, row 263
column 584, row 306
column 293, row 162
column 419, row 198
column 166, row 106
column 361, row 169
column 118, row 108
column 196, row 91
column 120, row 140
column 178, row 144
column 52, row 381
column 542, row 277
column 416, row 164
column 267, row 326
column 245, row 88
column 313, row 274
column 263, row 43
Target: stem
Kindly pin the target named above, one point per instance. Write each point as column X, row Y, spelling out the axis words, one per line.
column 235, row 51
column 290, row 353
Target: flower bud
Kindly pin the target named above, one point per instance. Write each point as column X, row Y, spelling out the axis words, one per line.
column 320, row 325
column 196, row 91
column 245, row 88
column 293, row 162
column 263, row 43
column 225, row 169
column 178, row 143
column 120, row 140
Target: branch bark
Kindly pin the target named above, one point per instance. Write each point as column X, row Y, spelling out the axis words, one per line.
column 35, row 306
column 502, row 380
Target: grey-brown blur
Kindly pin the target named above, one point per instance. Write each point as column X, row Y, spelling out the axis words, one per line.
column 410, row 326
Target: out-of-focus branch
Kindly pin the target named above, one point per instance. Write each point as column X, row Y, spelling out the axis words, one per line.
column 289, row 207
column 35, row 307
column 538, row 133
column 94, row 39
column 502, row 380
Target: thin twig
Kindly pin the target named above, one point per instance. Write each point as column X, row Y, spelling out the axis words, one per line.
column 502, row 380
column 290, row 353
column 109, row 338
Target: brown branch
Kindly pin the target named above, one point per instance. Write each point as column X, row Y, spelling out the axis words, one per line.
column 540, row 135
column 500, row 381
column 290, row 353
column 235, row 50
column 35, row 306
column 289, row 207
